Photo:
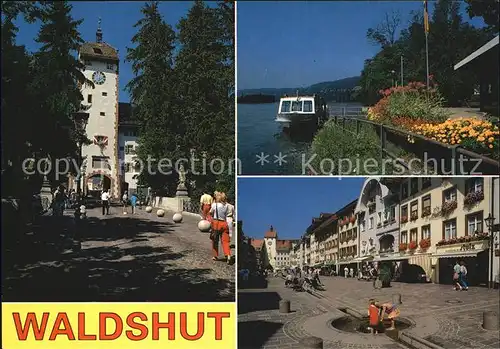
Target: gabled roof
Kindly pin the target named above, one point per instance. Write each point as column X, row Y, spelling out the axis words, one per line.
column 256, row 243
column 271, row 233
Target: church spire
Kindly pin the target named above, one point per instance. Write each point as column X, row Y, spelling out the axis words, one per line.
column 98, row 33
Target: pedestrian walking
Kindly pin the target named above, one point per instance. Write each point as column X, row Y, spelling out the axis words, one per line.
column 125, row 202
column 351, row 272
column 133, row 202
column 456, row 277
column 206, row 201
column 463, row 276
column 105, row 202
column 220, row 229
column 230, row 219
column 346, row 272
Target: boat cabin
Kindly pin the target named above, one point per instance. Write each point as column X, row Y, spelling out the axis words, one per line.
column 302, row 104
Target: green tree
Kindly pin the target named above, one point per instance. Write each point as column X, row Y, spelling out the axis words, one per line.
column 488, row 9
column 204, row 71
column 154, row 97
column 58, row 76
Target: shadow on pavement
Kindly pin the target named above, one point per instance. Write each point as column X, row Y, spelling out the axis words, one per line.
column 256, row 282
column 254, row 334
column 38, row 266
column 257, row 301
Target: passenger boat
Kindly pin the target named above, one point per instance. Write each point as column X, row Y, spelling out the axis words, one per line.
column 301, row 110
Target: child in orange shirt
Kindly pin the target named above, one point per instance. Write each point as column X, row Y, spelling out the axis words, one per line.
column 374, row 317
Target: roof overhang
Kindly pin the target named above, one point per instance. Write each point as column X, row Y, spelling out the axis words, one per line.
column 486, row 47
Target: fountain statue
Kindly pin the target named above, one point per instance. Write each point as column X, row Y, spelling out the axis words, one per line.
column 181, row 187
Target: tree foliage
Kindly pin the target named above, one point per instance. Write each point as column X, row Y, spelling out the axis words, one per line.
column 185, row 102
column 40, row 91
column 450, row 39
column 488, row 9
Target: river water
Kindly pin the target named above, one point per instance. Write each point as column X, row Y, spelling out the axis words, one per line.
column 259, row 134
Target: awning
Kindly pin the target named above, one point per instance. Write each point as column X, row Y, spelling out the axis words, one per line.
column 362, row 259
column 457, row 254
column 346, row 262
column 391, row 258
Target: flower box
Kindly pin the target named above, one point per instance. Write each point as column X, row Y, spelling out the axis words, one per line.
column 462, row 239
column 404, row 219
column 352, row 219
column 403, row 247
column 426, row 211
column 413, row 245
column 448, row 207
column 414, row 216
column 425, row 244
column 473, row 197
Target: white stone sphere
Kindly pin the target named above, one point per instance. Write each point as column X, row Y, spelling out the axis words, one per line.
column 160, row 213
column 149, row 209
column 177, row 218
column 204, row 226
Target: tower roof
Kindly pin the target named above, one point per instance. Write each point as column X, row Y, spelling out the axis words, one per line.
column 99, row 50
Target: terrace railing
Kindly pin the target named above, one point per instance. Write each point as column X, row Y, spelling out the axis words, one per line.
column 444, row 159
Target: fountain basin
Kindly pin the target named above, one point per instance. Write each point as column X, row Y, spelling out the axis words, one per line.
column 361, row 325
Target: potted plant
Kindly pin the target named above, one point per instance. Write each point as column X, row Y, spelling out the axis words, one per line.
column 404, row 219
column 413, row 245
column 352, row 219
column 403, row 247
column 473, row 198
column 425, row 244
column 448, row 207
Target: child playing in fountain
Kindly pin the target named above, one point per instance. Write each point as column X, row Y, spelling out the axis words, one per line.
column 392, row 312
column 373, row 314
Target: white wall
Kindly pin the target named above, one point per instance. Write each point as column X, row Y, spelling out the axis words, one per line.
column 104, row 125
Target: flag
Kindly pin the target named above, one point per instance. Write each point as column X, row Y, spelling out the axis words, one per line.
column 426, row 17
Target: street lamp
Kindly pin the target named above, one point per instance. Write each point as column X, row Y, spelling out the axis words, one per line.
column 490, row 220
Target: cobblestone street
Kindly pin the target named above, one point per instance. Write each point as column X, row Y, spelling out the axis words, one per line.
column 442, row 316
column 138, row 257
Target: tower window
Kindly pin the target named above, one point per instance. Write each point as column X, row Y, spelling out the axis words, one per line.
column 110, row 66
column 104, row 94
column 97, row 50
column 89, row 99
column 102, row 113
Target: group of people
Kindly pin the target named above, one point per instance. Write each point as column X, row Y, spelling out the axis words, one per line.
column 378, row 311
column 460, row 277
column 133, row 202
column 309, row 276
column 220, row 213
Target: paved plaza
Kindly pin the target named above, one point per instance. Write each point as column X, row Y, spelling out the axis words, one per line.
column 442, row 316
column 138, row 257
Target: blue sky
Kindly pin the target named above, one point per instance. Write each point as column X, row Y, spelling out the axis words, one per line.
column 299, row 43
column 289, row 204
column 118, row 19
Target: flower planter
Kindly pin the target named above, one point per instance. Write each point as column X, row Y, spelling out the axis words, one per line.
column 473, row 198
column 404, row 219
column 448, row 208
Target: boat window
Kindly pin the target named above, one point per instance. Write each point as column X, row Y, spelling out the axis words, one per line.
column 285, row 106
column 297, row 106
column 308, row 107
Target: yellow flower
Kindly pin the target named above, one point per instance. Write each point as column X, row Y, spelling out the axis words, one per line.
column 490, row 146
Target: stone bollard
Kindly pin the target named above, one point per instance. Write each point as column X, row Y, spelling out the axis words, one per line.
column 284, row 306
column 490, row 320
column 312, row 343
column 396, row 299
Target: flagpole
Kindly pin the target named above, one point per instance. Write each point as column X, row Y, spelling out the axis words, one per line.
column 427, row 57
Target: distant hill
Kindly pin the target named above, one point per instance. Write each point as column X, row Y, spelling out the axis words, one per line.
column 256, row 99
column 325, row 89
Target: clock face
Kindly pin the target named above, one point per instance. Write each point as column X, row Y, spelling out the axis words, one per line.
column 98, row 77
column 270, row 243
